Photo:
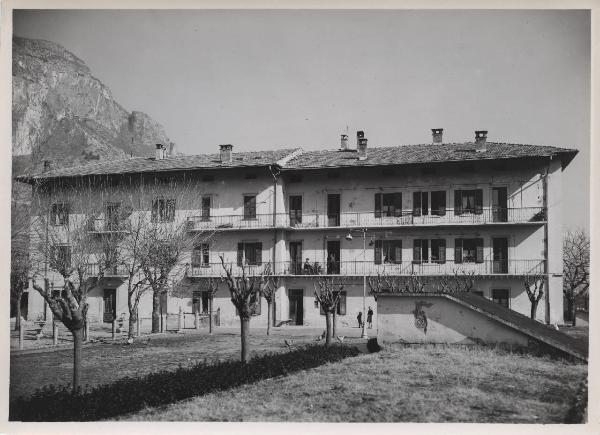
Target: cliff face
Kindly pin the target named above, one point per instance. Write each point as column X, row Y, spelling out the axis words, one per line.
column 64, row 114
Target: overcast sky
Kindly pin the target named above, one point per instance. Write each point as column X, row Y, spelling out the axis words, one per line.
column 271, row 79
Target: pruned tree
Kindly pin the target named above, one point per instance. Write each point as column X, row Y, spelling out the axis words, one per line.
column 534, row 286
column 268, row 292
column 245, row 290
column 390, row 283
column 459, row 281
column 576, row 269
column 327, row 295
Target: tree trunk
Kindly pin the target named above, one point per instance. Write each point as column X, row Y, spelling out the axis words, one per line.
column 210, row 315
column 245, row 326
column 328, row 328
column 132, row 323
column 18, row 318
column 269, row 307
column 574, row 312
column 334, row 324
column 77, row 342
column 155, row 312
column 534, row 305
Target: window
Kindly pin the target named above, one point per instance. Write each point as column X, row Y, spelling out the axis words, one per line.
column 420, row 203
column 112, row 216
column 59, row 214
column 438, row 251
column 340, row 309
column 249, row 254
column 468, row 201
column 60, row 257
column 295, row 202
column 200, row 300
column 200, row 255
column 163, row 210
column 468, row 251
column 390, row 251
column 388, row 204
column 205, row 208
column 501, row 296
column 438, row 203
column 249, row 206
column 420, row 251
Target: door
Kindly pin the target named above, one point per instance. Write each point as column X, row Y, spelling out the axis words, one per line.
column 295, row 206
column 333, row 210
column 110, row 305
column 499, row 204
column 333, row 257
column 500, row 248
column 296, row 306
column 196, row 302
column 296, row 258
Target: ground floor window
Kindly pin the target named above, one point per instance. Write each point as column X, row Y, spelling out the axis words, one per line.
column 341, row 306
column 200, row 301
column 501, row 296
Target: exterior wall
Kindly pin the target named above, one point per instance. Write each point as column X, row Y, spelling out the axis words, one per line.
column 400, row 319
column 555, row 243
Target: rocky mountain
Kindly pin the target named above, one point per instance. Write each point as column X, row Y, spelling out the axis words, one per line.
column 62, row 113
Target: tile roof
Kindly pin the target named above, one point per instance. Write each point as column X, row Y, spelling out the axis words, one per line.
column 424, row 153
column 136, row 165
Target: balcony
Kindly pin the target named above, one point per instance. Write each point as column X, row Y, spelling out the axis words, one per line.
column 118, row 271
column 316, row 220
column 104, row 226
column 360, row 268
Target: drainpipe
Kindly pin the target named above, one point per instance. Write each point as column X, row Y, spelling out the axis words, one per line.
column 546, row 270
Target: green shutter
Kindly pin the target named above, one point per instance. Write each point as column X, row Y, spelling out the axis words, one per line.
column 442, row 250
column 416, row 251
column 398, row 251
column 258, row 255
column 458, row 250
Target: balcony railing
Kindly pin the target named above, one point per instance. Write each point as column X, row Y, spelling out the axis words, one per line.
column 300, row 220
column 369, row 268
column 111, row 271
column 101, row 225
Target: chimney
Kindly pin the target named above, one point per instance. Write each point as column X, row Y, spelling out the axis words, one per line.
column 362, row 148
column 226, row 153
column 480, row 139
column 437, row 135
column 344, row 142
column 172, row 149
column 359, row 135
column 160, row 152
column 47, row 166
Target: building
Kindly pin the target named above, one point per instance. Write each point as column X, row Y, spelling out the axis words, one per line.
column 428, row 210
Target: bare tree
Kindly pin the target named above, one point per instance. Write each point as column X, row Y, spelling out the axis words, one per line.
column 327, row 294
column 390, row 283
column 268, row 291
column 576, row 269
column 459, row 281
column 534, row 286
column 19, row 273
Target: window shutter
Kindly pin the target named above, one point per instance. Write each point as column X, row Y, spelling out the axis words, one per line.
column 378, row 249
column 457, row 202
column 458, row 250
column 240, row 254
column 398, row 204
column 378, row 205
column 416, row 251
column 258, row 254
column 416, row 203
column 424, row 203
column 342, row 304
column 442, row 250
column 478, row 201
column 479, row 251
column 424, row 251
column 257, row 306
column 398, row 251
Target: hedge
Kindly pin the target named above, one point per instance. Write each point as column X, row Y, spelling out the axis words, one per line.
column 58, row 403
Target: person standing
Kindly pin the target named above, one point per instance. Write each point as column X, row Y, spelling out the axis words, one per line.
column 370, row 318
column 359, row 318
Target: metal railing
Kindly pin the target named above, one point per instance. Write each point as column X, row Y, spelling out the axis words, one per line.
column 101, row 225
column 298, row 220
column 369, row 268
column 93, row 269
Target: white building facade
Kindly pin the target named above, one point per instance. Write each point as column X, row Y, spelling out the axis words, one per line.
column 429, row 210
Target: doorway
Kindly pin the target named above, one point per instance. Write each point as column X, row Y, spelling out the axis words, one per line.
column 500, row 254
column 296, row 297
column 333, row 257
column 296, row 258
column 499, row 204
column 333, row 210
column 295, row 206
column 110, row 305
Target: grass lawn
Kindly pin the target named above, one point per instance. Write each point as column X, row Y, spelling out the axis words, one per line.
column 399, row 384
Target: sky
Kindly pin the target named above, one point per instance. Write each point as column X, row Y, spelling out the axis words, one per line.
column 272, row 79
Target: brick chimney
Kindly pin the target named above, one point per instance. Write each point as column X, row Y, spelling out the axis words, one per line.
column 480, row 139
column 359, row 135
column 159, row 152
column 344, row 142
column 226, row 152
column 437, row 135
column 362, row 148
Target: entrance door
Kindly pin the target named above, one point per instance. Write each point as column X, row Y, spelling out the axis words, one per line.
column 500, row 248
column 110, row 305
column 296, row 306
column 296, row 258
column 333, row 210
column 499, row 204
column 333, row 257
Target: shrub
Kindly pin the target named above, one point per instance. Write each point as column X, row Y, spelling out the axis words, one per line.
column 132, row 394
column 372, row 345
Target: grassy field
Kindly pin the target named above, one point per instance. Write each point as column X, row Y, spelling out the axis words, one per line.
column 401, row 384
